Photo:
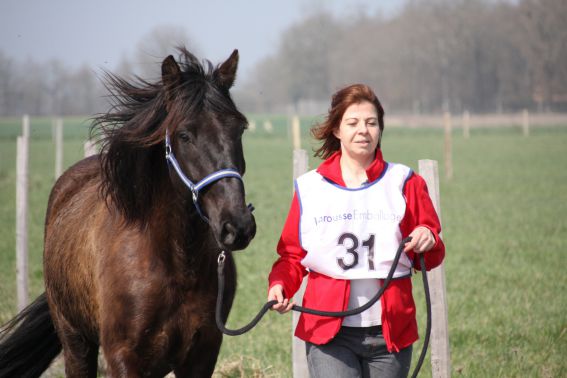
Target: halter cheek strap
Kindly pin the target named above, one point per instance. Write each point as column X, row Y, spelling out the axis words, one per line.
column 195, row 188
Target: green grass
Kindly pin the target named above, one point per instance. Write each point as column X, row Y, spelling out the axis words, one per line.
column 504, row 225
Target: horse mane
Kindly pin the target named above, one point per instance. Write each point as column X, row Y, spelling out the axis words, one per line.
column 132, row 132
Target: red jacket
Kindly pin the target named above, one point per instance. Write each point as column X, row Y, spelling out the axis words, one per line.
column 399, row 325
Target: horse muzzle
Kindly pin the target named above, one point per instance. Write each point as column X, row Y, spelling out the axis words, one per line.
column 237, row 233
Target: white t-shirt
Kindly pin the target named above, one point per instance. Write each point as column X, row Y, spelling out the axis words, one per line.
column 361, row 291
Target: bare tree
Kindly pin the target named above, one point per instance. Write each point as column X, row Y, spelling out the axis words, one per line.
column 158, row 44
column 304, row 56
column 87, row 93
column 476, row 55
column 433, row 55
column 7, row 84
column 545, row 47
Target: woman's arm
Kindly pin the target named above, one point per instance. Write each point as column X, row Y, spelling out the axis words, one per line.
column 287, row 271
column 420, row 214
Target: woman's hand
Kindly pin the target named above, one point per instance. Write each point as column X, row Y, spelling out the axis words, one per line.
column 284, row 305
column 422, row 240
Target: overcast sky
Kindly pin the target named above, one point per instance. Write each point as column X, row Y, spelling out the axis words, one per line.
column 102, row 32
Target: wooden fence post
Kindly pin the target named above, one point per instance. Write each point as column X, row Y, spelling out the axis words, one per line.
column 440, row 353
column 526, row 123
column 448, row 145
column 300, row 370
column 58, row 147
column 252, row 126
column 466, row 124
column 268, row 127
column 22, row 165
column 296, row 132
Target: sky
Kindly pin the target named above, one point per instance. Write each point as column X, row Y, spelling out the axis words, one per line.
column 101, row 33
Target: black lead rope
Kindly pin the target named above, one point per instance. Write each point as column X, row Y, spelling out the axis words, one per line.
column 354, row 311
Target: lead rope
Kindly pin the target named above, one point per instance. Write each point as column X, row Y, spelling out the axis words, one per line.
column 354, row 311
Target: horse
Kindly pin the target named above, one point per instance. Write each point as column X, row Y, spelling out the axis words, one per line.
column 130, row 245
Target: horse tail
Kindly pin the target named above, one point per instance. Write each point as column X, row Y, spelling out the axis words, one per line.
column 28, row 342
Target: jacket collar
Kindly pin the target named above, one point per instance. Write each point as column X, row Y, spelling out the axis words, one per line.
column 331, row 168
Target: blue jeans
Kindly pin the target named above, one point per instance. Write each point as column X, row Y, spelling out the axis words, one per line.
column 357, row 352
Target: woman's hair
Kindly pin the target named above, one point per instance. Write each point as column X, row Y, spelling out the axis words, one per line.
column 341, row 100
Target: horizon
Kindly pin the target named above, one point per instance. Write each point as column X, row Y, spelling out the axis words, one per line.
column 101, row 35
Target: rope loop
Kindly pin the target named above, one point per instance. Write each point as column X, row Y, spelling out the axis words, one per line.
column 236, row 332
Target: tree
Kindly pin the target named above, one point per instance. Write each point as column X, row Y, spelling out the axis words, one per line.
column 476, row 55
column 544, row 37
column 7, row 84
column 158, row 44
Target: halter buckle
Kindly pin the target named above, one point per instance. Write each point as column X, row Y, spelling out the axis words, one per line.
column 221, row 258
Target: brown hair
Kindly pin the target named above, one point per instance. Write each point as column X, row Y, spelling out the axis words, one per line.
column 341, row 100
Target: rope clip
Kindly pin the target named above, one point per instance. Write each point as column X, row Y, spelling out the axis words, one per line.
column 221, row 258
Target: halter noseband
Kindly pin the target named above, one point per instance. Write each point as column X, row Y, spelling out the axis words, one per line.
column 195, row 188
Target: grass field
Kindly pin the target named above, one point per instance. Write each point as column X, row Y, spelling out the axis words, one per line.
column 504, row 225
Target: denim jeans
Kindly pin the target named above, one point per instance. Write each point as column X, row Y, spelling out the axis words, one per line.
column 357, row 352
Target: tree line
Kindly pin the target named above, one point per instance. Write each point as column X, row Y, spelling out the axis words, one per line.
column 431, row 56
column 47, row 88
column 53, row 88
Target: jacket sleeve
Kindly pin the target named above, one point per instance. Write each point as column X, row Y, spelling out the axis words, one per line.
column 420, row 212
column 287, row 270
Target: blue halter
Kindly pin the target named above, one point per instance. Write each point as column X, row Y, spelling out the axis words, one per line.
column 195, row 188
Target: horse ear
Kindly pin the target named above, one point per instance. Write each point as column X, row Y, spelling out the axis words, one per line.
column 170, row 72
column 226, row 72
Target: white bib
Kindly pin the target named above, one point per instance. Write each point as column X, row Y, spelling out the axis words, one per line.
column 353, row 233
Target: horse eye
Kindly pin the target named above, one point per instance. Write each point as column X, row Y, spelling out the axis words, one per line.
column 185, row 137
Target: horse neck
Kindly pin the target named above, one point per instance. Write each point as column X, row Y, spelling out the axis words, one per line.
column 191, row 245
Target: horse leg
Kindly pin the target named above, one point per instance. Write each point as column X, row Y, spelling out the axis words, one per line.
column 80, row 355
column 122, row 360
column 122, row 363
column 202, row 357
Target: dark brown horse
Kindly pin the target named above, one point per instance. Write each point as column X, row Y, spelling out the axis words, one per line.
column 129, row 260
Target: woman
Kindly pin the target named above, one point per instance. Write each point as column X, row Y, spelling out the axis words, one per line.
column 344, row 226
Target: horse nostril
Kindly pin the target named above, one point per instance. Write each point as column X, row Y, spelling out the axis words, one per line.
column 228, row 233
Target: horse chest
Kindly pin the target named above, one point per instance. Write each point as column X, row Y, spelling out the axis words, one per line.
column 181, row 328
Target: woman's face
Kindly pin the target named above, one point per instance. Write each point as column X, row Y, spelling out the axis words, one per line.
column 359, row 132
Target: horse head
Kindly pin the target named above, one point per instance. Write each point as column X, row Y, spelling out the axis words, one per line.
column 204, row 136
column 188, row 113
